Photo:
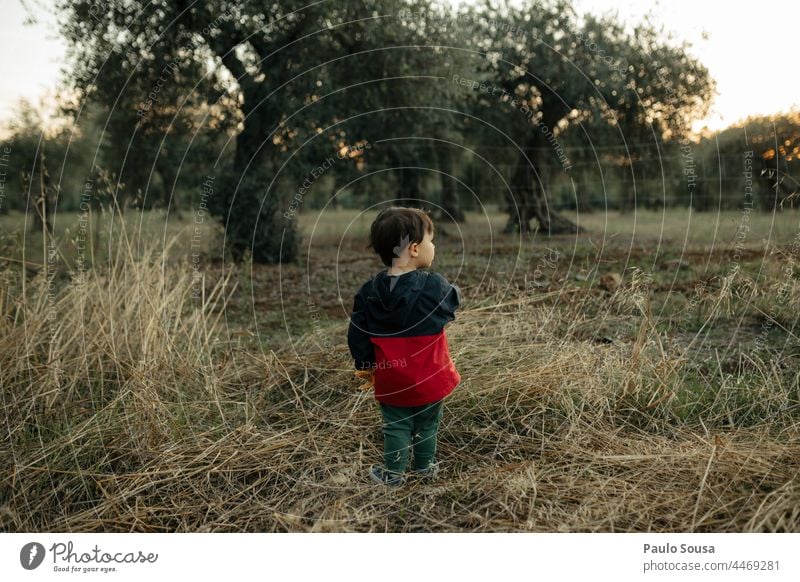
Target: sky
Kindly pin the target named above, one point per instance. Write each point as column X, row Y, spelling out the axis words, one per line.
column 746, row 47
column 30, row 57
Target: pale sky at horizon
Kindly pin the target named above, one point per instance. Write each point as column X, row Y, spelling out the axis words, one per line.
column 749, row 81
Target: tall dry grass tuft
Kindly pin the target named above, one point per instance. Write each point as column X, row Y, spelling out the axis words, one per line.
column 101, row 372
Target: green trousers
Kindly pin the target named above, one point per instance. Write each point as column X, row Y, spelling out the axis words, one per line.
column 407, row 427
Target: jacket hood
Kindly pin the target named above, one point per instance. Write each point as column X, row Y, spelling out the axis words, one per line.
column 391, row 298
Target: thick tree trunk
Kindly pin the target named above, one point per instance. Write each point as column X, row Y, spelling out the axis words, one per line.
column 627, row 200
column 529, row 200
column 451, row 208
column 256, row 221
column 409, row 194
column 520, row 203
column 408, row 177
column 169, row 177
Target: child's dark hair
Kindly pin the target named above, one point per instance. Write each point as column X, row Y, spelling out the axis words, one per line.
column 392, row 225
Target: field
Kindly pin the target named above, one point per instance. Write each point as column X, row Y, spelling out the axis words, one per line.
column 644, row 376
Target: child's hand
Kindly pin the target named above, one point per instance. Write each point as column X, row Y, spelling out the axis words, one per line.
column 369, row 376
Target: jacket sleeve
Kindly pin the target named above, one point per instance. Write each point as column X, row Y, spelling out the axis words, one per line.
column 449, row 298
column 361, row 347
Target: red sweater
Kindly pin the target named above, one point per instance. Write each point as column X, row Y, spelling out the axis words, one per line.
column 397, row 328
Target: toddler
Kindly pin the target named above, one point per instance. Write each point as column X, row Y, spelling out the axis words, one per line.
column 397, row 330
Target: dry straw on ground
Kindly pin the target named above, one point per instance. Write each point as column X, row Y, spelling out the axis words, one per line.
column 126, row 408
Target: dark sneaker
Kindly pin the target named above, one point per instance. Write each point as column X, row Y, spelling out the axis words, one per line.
column 429, row 473
column 388, row 478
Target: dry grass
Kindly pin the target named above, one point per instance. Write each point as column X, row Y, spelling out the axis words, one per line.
column 128, row 405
